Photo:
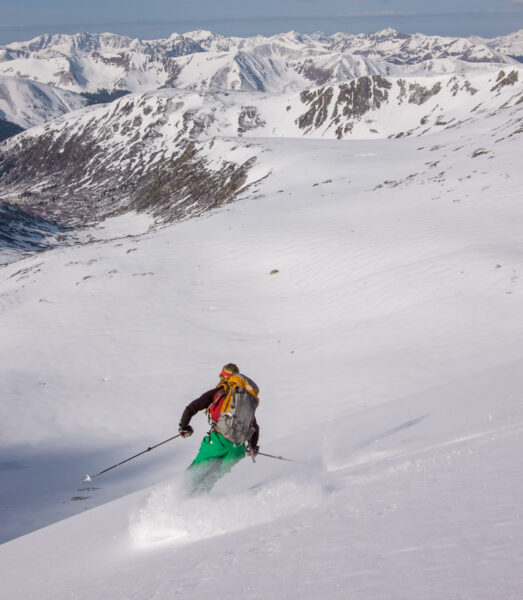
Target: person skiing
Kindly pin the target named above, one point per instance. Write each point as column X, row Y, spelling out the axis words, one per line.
column 234, row 431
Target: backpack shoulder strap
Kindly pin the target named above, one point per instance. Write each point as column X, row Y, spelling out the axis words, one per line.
column 245, row 383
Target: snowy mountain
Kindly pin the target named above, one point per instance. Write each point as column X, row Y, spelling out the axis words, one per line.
column 372, row 287
column 509, row 45
column 354, row 245
column 90, row 62
column 204, row 61
column 28, row 103
column 175, row 154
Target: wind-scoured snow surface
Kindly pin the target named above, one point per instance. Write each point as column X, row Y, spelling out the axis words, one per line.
column 372, row 288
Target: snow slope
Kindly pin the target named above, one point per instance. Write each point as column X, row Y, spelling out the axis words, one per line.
column 28, row 103
column 387, row 347
column 423, row 501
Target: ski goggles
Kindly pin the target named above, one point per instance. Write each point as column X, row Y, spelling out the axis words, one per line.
column 225, row 374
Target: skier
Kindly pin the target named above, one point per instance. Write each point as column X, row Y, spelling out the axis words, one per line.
column 230, row 408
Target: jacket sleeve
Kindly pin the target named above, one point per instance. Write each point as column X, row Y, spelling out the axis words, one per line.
column 201, row 403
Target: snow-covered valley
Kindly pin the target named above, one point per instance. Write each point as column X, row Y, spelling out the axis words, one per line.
column 371, row 287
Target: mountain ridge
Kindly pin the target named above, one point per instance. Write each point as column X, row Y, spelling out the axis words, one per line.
column 90, row 62
column 155, row 150
column 177, row 153
column 28, row 103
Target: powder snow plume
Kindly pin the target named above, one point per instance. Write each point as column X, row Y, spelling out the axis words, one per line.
column 170, row 516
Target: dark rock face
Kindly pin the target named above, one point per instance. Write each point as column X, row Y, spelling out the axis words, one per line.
column 177, row 188
column 340, row 107
column 319, row 101
column 419, row 94
column 313, row 73
column 505, row 80
column 353, row 101
column 249, row 119
column 186, row 180
column 122, row 59
column 362, row 95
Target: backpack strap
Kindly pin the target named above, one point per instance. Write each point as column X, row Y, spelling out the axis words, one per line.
column 229, row 395
column 215, row 408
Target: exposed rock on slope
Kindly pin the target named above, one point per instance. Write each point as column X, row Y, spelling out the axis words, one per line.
column 119, row 157
column 176, row 153
column 395, row 107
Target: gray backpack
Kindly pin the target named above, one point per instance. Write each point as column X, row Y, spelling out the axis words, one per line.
column 235, row 411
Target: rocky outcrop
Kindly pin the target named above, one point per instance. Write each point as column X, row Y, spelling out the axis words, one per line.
column 185, row 187
column 249, row 119
column 68, row 181
column 343, row 106
column 504, row 79
column 120, row 157
column 363, row 102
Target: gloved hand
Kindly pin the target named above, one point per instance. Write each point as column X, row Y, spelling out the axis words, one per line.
column 186, row 431
column 251, row 450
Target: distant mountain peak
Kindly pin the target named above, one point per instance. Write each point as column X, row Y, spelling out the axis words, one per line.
column 202, row 60
column 199, row 34
column 385, row 33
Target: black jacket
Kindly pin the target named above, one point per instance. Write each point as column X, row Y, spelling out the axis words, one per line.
column 202, row 403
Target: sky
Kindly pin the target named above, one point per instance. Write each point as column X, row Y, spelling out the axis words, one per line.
column 152, row 19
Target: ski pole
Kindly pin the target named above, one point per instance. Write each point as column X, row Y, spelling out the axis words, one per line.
column 88, row 478
column 283, row 458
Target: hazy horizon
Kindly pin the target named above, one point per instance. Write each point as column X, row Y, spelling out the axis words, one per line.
column 453, row 24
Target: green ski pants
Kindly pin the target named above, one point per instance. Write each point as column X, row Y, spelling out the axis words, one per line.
column 216, row 457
